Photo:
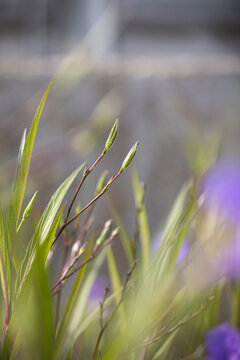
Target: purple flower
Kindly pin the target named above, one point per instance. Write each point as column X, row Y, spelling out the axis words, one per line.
column 223, row 343
column 222, row 191
column 222, row 188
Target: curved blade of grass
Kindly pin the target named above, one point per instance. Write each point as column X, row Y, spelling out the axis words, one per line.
column 4, row 250
column 43, row 229
column 175, row 231
column 25, row 155
column 124, row 237
column 113, row 273
column 142, row 218
column 27, row 211
column 46, row 246
column 33, row 313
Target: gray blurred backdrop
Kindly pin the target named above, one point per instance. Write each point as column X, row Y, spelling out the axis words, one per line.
column 169, row 69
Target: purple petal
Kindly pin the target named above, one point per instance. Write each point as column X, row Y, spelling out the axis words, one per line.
column 222, row 188
column 223, row 342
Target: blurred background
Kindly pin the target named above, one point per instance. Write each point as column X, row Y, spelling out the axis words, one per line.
column 169, row 69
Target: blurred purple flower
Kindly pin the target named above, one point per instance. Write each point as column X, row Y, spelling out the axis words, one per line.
column 97, row 291
column 157, row 240
column 223, row 343
column 222, row 190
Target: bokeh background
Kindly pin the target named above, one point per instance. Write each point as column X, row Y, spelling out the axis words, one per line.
column 169, row 69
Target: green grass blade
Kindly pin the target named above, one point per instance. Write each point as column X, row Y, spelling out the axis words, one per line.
column 124, row 237
column 4, row 250
column 113, row 273
column 46, row 246
column 43, row 229
column 142, row 218
column 27, row 211
column 175, row 231
column 33, row 314
column 25, row 155
column 82, row 299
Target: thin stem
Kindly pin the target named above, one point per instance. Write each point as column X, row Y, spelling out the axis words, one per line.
column 103, row 327
column 85, row 175
column 86, row 172
column 161, row 334
column 112, row 179
column 91, row 257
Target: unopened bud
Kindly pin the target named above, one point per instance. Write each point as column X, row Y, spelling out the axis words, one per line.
column 103, row 236
column 112, row 136
column 128, row 159
column 115, row 232
column 75, row 249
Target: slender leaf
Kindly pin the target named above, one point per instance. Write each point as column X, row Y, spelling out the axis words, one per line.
column 44, row 226
column 142, row 218
column 25, row 155
column 4, row 250
column 113, row 273
column 27, row 211
column 124, row 237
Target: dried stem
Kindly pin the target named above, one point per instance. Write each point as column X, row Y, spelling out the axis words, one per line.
column 103, row 327
column 112, row 179
column 161, row 334
column 94, row 253
column 86, row 172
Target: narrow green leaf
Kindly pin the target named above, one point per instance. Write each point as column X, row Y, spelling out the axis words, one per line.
column 33, row 314
column 142, row 218
column 25, row 155
column 4, row 250
column 124, row 237
column 46, row 246
column 54, row 203
column 115, row 282
column 113, row 272
column 43, row 229
column 175, row 232
column 22, row 146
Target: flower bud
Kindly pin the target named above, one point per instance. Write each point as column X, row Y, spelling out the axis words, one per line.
column 75, row 249
column 103, row 236
column 112, row 136
column 128, row 159
column 115, row 232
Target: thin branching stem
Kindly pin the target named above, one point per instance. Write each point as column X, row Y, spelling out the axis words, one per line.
column 86, row 172
column 112, row 179
column 95, row 252
column 164, row 333
column 103, row 327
